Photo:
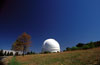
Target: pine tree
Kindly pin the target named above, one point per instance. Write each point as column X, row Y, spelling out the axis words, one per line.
column 5, row 53
column 16, row 54
column 1, row 53
column 11, row 54
column 8, row 54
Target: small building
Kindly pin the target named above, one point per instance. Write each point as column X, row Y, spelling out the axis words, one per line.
column 14, row 52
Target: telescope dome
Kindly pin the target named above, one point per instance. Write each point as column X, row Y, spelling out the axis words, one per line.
column 50, row 45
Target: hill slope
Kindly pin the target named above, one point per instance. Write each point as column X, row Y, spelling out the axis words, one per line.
column 80, row 57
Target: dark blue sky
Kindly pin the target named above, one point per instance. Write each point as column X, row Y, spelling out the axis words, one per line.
column 67, row 21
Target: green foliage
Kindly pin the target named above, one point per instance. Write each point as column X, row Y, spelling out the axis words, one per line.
column 91, row 45
column 14, row 62
column 85, row 47
column 68, row 49
column 81, row 46
column 74, row 48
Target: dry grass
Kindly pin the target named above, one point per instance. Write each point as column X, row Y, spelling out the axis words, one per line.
column 80, row 57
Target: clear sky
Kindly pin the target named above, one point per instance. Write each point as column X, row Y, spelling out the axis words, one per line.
column 67, row 21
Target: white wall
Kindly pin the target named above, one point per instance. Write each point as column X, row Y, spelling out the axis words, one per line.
column 19, row 52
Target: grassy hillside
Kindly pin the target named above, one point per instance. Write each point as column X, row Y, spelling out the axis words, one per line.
column 80, row 57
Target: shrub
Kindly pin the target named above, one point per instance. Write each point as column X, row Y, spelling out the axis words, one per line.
column 64, row 50
column 68, row 49
column 80, row 45
column 28, row 53
column 91, row 45
column 74, row 48
column 85, row 47
column 46, row 52
column 32, row 52
column 97, row 44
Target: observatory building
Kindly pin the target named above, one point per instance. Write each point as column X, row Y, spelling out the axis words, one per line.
column 50, row 45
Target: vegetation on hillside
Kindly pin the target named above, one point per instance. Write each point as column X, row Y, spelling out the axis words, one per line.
column 82, row 46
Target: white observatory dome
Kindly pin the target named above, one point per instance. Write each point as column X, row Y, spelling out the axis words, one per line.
column 50, row 45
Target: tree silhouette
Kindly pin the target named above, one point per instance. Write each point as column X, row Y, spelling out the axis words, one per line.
column 80, row 45
column 5, row 53
column 11, row 54
column 68, row 49
column 16, row 54
column 8, row 54
column 1, row 53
